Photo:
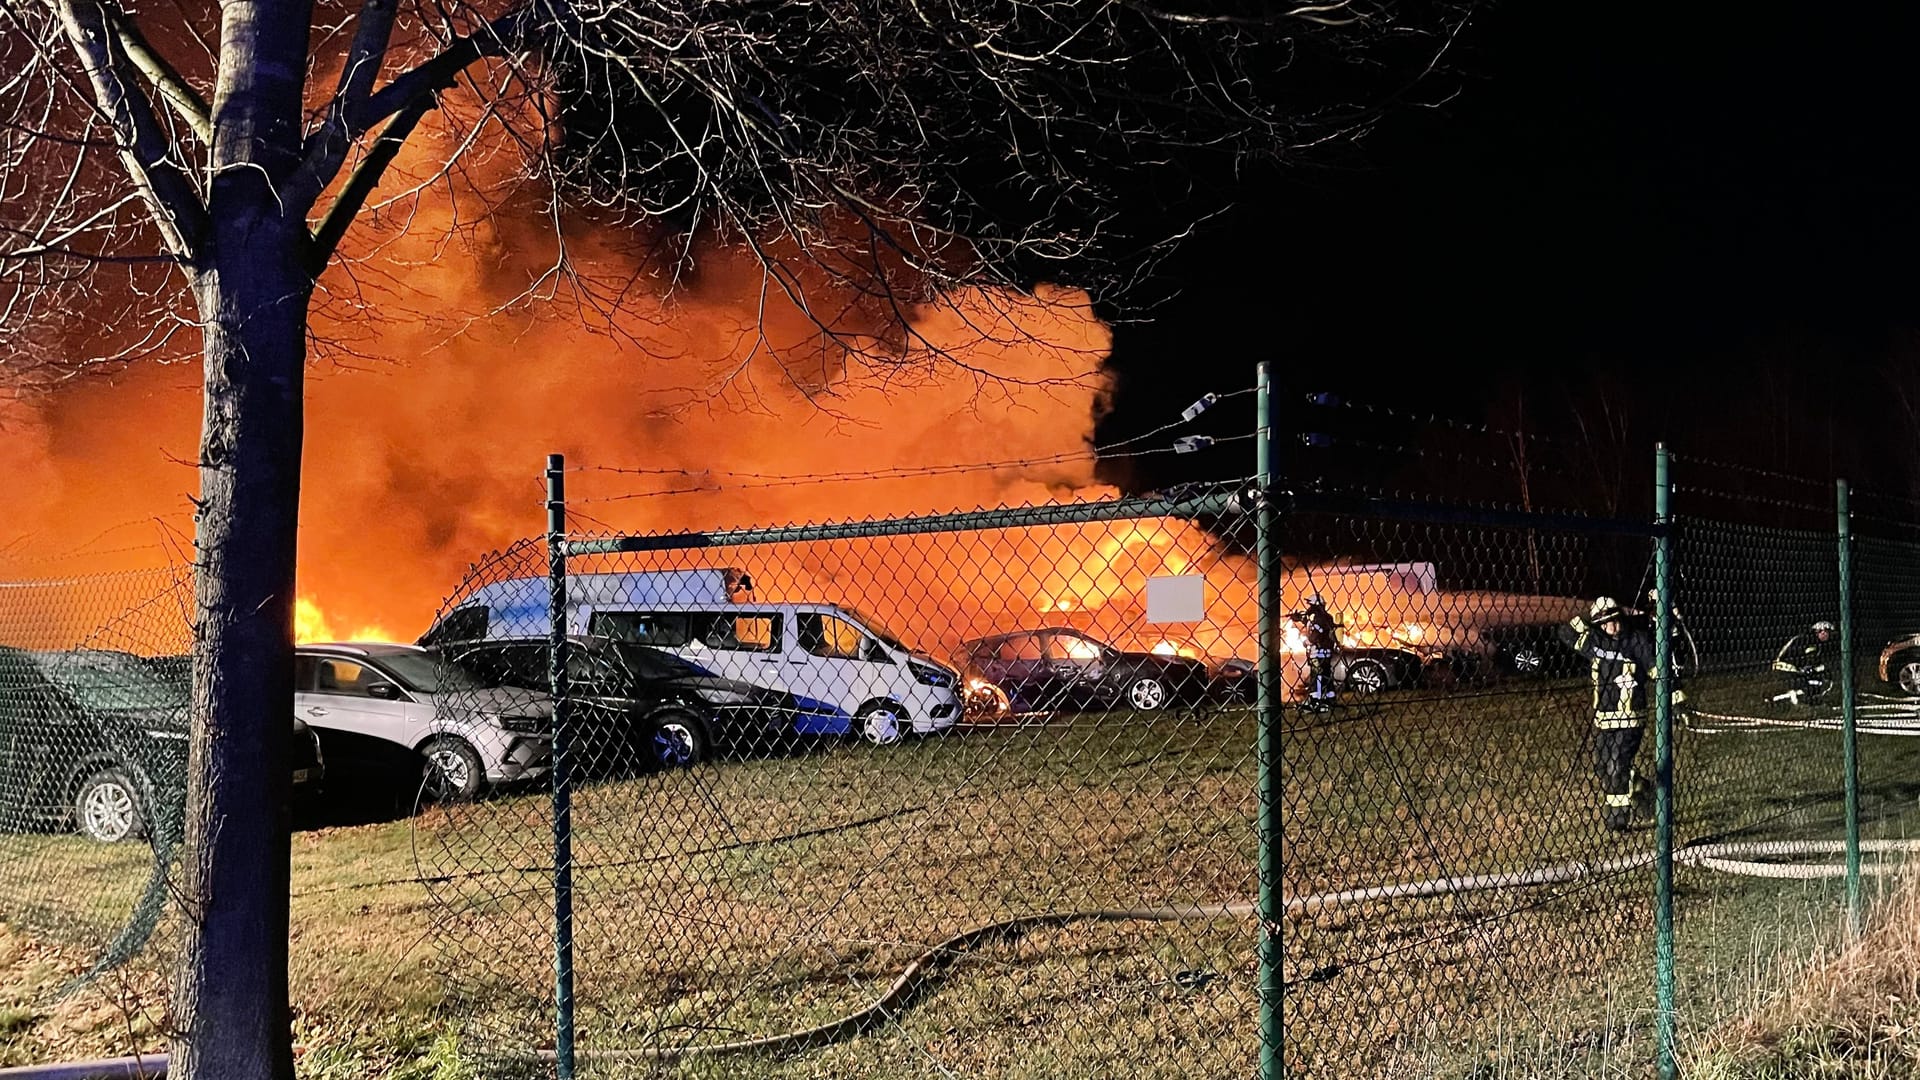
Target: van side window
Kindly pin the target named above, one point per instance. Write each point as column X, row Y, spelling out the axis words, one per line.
column 659, row 629
column 831, row 638
column 306, row 670
column 743, row 633
column 466, row 624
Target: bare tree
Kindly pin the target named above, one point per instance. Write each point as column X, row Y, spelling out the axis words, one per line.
column 177, row 178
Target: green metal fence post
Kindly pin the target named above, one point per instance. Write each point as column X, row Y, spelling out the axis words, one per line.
column 562, row 779
column 1849, row 749
column 1266, row 709
column 1663, row 766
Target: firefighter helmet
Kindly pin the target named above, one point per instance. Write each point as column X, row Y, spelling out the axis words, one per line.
column 1604, row 609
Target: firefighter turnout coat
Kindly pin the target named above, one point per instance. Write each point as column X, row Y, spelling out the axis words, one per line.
column 1623, row 671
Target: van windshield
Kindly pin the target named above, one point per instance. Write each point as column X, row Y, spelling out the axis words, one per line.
column 875, row 627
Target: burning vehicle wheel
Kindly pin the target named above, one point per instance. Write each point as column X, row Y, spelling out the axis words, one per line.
column 678, row 742
column 1147, row 694
column 106, row 809
column 454, row 770
column 880, row 725
column 1367, row 676
column 985, row 702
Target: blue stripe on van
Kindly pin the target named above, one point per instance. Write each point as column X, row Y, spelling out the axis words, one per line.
column 816, row 717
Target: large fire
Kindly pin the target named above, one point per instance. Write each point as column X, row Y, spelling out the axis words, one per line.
column 685, row 409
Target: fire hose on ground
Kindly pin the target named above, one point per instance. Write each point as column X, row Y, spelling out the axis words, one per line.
column 1747, row 858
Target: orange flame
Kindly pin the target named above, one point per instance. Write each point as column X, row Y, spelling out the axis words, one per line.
column 310, row 625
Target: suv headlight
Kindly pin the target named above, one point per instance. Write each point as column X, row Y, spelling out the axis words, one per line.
column 928, row 675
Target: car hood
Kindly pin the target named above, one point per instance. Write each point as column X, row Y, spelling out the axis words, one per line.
column 495, row 701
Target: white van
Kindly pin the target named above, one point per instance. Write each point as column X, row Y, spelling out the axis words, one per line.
column 846, row 671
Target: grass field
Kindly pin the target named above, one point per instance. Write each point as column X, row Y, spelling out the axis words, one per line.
column 756, row 897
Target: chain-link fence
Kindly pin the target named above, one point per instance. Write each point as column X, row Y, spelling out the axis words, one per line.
column 1230, row 780
column 93, row 748
column 982, row 792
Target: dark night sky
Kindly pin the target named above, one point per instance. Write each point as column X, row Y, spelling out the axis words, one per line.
column 1714, row 209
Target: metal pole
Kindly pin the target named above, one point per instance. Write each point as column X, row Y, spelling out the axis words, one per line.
column 1849, row 748
column 562, row 781
column 1663, row 766
column 1266, row 713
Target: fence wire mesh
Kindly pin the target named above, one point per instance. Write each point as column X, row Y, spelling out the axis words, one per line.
column 979, row 793
column 93, row 742
column 946, row 790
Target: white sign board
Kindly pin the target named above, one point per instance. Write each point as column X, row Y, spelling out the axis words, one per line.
column 1177, row 599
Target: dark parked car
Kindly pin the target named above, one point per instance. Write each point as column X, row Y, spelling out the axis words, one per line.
column 1060, row 668
column 1533, row 650
column 96, row 740
column 634, row 704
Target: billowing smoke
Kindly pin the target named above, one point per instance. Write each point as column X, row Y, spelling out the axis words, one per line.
column 441, row 381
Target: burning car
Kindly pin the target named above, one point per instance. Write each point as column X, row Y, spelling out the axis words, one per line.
column 1062, row 668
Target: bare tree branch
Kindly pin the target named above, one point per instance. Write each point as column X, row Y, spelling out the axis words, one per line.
column 178, row 93
column 144, row 148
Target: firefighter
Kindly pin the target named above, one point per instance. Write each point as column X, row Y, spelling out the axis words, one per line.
column 1322, row 637
column 1623, row 670
column 1805, row 663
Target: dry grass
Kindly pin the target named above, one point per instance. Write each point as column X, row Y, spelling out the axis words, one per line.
column 1854, row 1015
column 754, row 897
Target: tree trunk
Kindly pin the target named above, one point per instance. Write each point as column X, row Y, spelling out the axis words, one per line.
column 231, row 997
column 252, row 287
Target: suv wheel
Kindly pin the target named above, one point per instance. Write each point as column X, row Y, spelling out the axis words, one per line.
column 454, row 770
column 1528, row 660
column 107, row 808
column 679, row 741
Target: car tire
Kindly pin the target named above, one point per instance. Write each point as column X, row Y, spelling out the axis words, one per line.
column 1368, row 676
column 1906, row 673
column 454, row 771
column 1147, row 693
column 881, row 724
column 679, row 741
column 109, row 806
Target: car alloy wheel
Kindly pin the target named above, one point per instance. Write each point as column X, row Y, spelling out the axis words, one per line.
column 880, row 725
column 675, row 744
column 454, row 770
column 1147, row 694
column 107, row 808
column 1528, row 662
column 1909, row 676
column 1367, row 677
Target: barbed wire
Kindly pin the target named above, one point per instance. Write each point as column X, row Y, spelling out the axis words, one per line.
column 1322, row 440
column 773, row 480
column 1750, row 470
column 1338, row 401
column 1756, row 500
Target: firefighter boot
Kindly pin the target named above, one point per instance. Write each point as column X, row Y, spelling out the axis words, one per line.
column 1643, row 803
